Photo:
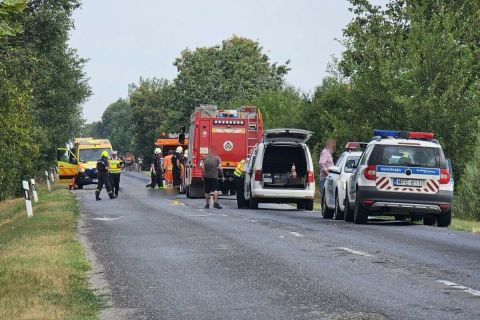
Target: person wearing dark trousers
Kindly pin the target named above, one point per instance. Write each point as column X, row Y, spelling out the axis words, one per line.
column 239, row 175
column 115, row 170
column 177, row 162
column 156, row 169
column 212, row 170
column 103, row 176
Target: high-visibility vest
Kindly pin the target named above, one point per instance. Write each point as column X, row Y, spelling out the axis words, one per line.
column 115, row 166
column 239, row 169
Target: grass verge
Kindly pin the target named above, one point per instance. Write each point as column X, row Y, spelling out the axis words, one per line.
column 43, row 270
column 457, row 224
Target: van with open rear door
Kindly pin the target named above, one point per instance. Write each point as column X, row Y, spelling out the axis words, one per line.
column 281, row 170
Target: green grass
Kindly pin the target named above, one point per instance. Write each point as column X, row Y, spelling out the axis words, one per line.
column 457, row 224
column 43, row 270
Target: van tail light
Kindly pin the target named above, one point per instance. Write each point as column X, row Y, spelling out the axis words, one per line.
column 370, row 172
column 310, row 177
column 444, row 176
column 258, row 175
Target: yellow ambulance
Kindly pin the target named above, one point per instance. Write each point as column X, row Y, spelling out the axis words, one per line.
column 78, row 166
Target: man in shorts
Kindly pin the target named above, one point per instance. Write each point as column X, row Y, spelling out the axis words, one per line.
column 212, row 169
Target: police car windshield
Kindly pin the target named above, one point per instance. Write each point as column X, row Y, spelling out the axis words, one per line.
column 91, row 154
column 410, row 156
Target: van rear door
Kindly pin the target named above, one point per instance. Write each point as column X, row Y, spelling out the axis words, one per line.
column 286, row 135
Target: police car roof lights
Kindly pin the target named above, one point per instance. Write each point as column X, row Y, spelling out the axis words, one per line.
column 355, row 145
column 403, row 134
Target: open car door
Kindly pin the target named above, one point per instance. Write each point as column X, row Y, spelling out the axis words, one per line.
column 286, row 135
column 67, row 165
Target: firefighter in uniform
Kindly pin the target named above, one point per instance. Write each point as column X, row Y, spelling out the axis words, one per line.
column 177, row 162
column 103, row 176
column 115, row 170
column 156, row 170
column 239, row 175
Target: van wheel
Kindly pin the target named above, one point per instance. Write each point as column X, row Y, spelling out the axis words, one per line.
column 300, row 205
column 348, row 214
column 337, row 214
column 253, row 203
column 429, row 220
column 360, row 216
column 308, row 205
column 444, row 219
column 241, row 202
column 326, row 212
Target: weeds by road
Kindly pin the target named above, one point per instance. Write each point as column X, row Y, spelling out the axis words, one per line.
column 43, row 271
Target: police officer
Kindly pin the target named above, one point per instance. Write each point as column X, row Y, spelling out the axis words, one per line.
column 103, row 176
column 115, row 171
column 156, row 170
column 239, row 175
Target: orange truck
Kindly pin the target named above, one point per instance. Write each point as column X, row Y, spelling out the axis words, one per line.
column 233, row 133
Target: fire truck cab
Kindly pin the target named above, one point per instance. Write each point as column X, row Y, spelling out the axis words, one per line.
column 233, row 134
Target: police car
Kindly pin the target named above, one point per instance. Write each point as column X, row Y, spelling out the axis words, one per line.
column 401, row 174
column 333, row 198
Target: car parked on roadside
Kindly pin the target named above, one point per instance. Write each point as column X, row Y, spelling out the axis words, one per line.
column 333, row 197
column 281, row 170
column 401, row 174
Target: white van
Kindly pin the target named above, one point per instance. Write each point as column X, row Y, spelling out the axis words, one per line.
column 280, row 170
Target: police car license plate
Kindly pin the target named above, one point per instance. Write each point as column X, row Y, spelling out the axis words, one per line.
column 407, row 182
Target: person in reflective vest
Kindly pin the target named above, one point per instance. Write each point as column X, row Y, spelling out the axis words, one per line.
column 239, row 175
column 168, row 168
column 103, row 176
column 115, row 170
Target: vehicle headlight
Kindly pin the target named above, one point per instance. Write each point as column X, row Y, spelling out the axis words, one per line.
column 82, row 170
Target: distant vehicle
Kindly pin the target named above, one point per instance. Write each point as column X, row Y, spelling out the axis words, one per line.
column 401, row 174
column 281, row 170
column 333, row 198
column 78, row 166
column 233, row 133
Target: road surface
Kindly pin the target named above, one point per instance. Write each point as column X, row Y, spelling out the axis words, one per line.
column 165, row 257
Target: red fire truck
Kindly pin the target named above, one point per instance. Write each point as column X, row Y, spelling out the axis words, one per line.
column 233, row 133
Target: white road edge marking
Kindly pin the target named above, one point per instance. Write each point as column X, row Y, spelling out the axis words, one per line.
column 203, row 215
column 252, row 220
column 460, row 287
column 107, row 218
column 296, row 234
column 360, row 253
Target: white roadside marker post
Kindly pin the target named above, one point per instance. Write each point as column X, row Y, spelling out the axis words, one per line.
column 34, row 190
column 48, row 181
column 28, row 202
column 53, row 176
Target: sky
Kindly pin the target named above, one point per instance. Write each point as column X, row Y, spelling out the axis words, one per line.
column 125, row 40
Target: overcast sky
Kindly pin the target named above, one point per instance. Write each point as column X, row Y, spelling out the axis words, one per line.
column 126, row 39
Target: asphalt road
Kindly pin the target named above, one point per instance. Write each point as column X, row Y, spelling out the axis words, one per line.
column 165, row 257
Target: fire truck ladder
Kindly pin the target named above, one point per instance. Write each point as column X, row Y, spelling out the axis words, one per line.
column 252, row 136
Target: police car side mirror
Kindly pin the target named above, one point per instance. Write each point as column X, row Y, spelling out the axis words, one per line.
column 334, row 169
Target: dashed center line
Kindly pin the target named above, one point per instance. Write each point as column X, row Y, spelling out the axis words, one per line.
column 460, row 287
column 360, row 253
column 296, row 234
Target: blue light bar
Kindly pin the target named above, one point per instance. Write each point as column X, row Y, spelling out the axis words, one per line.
column 386, row 133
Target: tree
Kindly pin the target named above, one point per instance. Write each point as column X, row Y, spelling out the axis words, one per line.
column 117, row 125
column 8, row 10
column 235, row 70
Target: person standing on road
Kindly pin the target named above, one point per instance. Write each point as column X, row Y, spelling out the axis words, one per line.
column 325, row 162
column 115, row 170
column 168, row 168
column 177, row 161
column 156, row 169
column 103, row 176
column 239, row 175
column 212, row 169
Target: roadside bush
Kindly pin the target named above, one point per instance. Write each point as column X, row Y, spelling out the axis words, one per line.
column 467, row 200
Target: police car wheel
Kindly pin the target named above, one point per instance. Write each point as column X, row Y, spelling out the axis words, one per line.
column 444, row 219
column 360, row 215
column 308, row 205
column 327, row 213
column 348, row 214
column 338, row 214
column 429, row 220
